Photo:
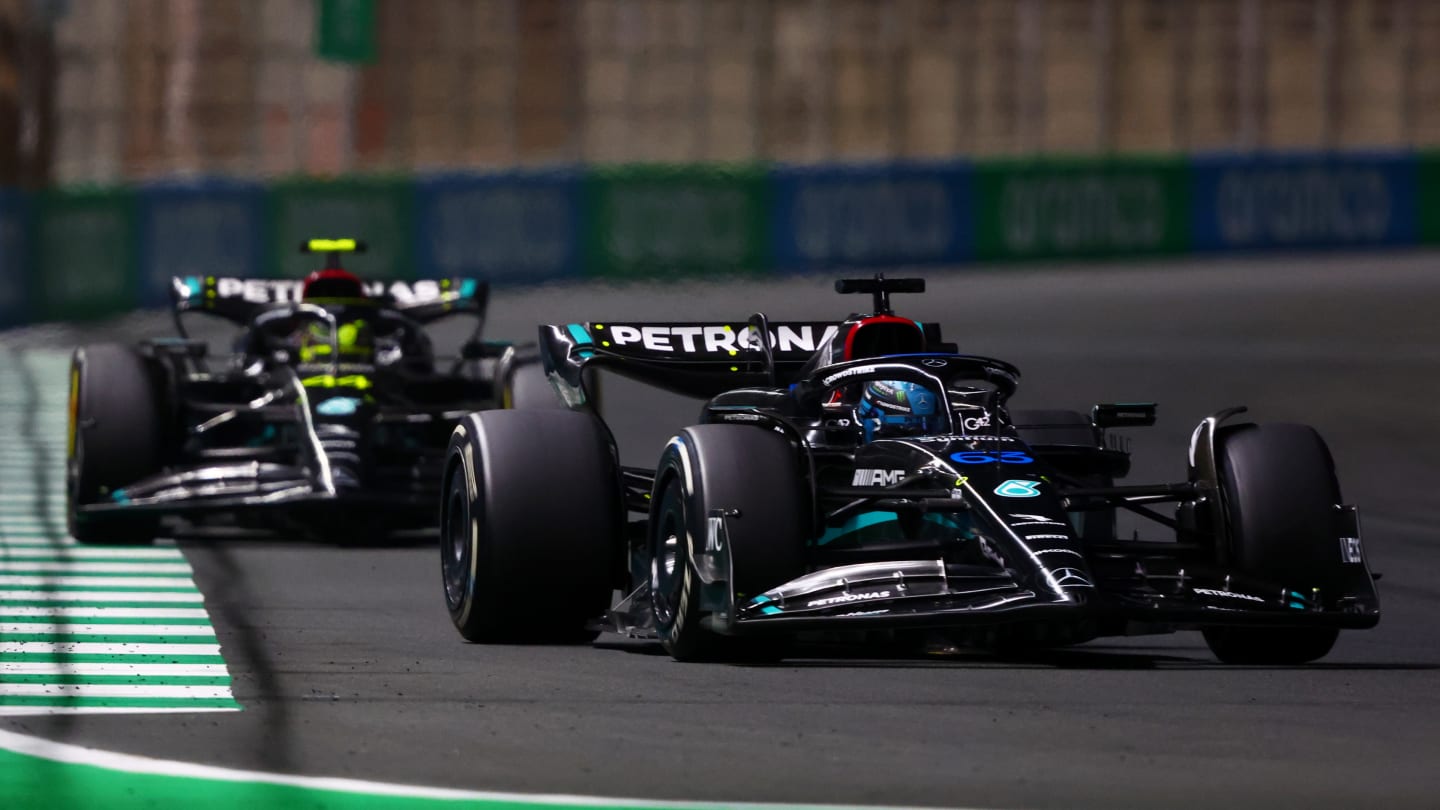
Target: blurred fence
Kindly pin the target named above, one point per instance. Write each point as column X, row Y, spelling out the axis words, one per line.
column 100, row 251
column 527, row 141
column 156, row 88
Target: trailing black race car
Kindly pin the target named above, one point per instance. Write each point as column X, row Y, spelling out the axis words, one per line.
column 865, row 476
column 332, row 413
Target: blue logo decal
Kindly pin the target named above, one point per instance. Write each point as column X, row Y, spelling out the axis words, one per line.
column 1018, row 489
column 338, row 406
column 980, row 457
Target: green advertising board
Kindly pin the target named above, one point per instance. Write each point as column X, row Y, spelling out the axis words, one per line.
column 1078, row 207
column 377, row 211
column 1428, row 196
column 86, row 253
column 651, row 221
column 345, row 31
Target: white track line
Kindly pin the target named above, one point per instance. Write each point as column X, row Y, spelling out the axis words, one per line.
column 15, row 711
column 129, row 763
column 65, row 668
column 68, row 629
column 81, row 553
column 80, row 567
column 104, row 648
column 193, row 597
column 14, row 580
column 100, row 612
column 127, row 690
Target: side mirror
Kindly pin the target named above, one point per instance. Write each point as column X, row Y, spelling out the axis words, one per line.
column 1123, row 414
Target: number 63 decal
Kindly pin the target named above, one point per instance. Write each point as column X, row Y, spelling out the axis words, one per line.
column 981, row 457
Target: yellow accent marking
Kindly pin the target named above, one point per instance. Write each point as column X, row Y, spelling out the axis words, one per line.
column 331, row 245
column 733, row 352
column 734, row 368
column 604, row 343
column 599, row 326
column 357, row 381
column 727, row 328
column 74, row 407
column 210, row 293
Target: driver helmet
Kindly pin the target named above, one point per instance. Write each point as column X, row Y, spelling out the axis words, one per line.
column 890, row 408
column 340, row 291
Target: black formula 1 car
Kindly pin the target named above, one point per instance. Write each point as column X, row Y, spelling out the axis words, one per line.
column 862, row 475
column 331, row 414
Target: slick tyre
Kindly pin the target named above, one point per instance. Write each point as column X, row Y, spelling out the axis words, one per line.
column 528, row 389
column 530, row 526
column 116, row 437
column 1278, row 487
column 755, row 476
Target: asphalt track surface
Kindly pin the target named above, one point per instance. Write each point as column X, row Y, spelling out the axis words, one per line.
column 347, row 665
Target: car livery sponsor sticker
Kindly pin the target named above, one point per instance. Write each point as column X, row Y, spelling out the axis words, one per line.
column 990, row 457
column 1071, row 578
column 1350, row 550
column 1017, row 488
column 976, row 422
column 1228, row 594
column 702, row 338
column 847, row 597
column 1034, row 520
column 876, row 478
column 1060, row 551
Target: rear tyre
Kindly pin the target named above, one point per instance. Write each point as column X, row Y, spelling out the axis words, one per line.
column 116, row 438
column 530, row 526
column 1278, row 486
column 529, row 389
column 732, row 467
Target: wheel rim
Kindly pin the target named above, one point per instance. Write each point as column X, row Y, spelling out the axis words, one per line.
column 667, row 561
column 455, row 551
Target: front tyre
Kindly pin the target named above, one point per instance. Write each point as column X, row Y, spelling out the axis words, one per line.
column 1278, row 486
column 116, row 437
column 530, row 526
column 753, row 474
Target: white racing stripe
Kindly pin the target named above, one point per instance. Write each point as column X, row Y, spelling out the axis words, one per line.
column 128, row 690
column 65, row 668
column 13, row 711
column 101, row 611
column 17, row 580
column 130, row 763
column 98, row 596
column 92, row 553
column 159, row 568
column 104, row 648
column 68, row 629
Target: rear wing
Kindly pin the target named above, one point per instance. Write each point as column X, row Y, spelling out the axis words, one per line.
column 239, row 299
column 699, row 359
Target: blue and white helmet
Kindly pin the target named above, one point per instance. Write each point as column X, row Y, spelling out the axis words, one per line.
column 894, row 408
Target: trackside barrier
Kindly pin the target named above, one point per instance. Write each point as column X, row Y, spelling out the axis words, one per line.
column 515, row 228
column 871, row 216
column 84, row 253
column 1427, row 196
column 1081, row 207
column 376, row 209
column 659, row 220
column 1298, row 200
column 211, row 227
column 14, row 246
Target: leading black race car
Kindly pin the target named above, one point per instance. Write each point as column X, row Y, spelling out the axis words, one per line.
column 865, row 476
column 332, row 413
